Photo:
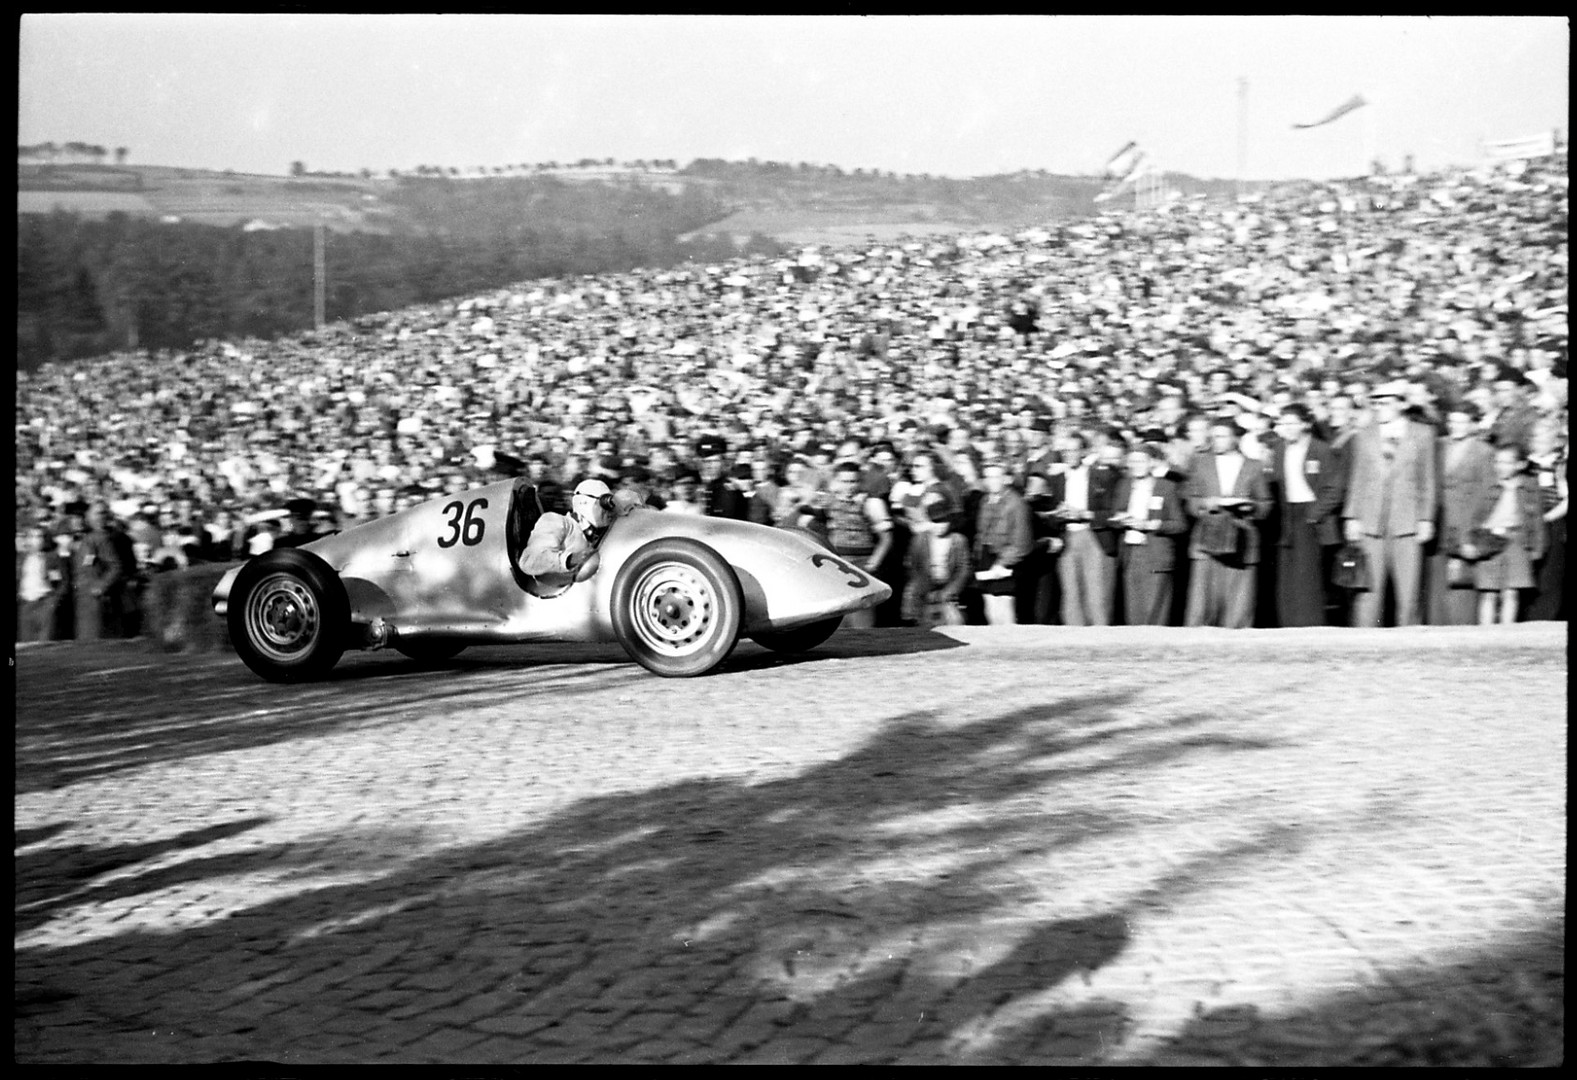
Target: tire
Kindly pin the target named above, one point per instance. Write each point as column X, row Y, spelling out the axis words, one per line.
column 430, row 651
column 677, row 608
column 288, row 616
column 800, row 638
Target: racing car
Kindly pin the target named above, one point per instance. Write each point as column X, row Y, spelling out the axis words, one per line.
column 677, row 591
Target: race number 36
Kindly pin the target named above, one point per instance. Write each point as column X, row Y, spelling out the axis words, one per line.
column 465, row 527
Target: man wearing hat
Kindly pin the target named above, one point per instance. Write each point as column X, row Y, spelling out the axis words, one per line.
column 1514, row 415
column 722, row 495
column 299, row 526
column 1393, row 494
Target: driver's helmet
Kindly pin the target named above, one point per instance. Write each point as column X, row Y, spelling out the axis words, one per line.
column 592, row 502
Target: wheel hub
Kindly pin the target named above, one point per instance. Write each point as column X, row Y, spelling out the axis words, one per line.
column 674, row 609
column 283, row 617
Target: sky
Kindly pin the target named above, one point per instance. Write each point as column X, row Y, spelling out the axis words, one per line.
column 946, row 95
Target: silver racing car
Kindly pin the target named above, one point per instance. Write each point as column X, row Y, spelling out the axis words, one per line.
column 676, row 591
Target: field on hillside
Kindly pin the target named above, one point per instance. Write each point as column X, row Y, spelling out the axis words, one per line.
column 212, row 198
column 830, row 214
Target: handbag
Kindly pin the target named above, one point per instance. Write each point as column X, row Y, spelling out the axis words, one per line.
column 1220, row 535
column 1480, row 544
column 1351, row 570
column 1460, row 574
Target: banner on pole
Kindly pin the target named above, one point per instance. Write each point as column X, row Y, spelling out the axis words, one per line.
column 1124, row 169
column 1352, row 103
column 1534, row 146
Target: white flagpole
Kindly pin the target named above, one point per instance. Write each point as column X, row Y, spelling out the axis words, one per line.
column 1370, row 140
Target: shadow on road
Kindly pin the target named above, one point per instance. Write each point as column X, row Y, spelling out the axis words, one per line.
column 76, row 720
column 1501, row 1008
column 870, row 906
column 50, row 879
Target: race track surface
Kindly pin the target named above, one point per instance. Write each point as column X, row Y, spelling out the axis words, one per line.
column 1023, row 845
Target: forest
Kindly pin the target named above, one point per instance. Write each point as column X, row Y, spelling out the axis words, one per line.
column 89, row 285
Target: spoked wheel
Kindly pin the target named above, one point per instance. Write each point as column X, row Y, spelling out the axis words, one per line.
column 677, row 608
column 288, row 615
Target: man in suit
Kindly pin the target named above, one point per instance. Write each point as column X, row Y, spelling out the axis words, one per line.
column 102, row 564
column 1087, row 567
column 1004, row 539
column 1514, row 415
column 1305, row 480
column 1342, row 426
column 1039, row 592
column 722, row 494
column 1227, row 494
column 1393, row 494
column 882, row 475
column 1147, row 504
column 1466, row 465
column 1184, row 449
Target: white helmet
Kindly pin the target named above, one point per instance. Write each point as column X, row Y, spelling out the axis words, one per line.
column 592, row 502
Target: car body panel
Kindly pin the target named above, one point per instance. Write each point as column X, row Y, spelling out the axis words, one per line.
column 443, row 569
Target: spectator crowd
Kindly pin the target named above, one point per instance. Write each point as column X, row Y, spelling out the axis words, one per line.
column 1207, row 413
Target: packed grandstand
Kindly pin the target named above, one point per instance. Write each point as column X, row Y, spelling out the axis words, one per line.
column 983, row 347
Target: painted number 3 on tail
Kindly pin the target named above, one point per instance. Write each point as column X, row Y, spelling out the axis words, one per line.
column 857, row 580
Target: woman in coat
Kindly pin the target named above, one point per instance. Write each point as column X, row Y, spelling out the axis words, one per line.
column 1517, row 519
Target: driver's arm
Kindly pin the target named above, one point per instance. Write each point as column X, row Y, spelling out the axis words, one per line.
column 550, row 550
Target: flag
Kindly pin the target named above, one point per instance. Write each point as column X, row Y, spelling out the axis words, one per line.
column 1136, row 168
column 1122, row 162
column 1354, row 102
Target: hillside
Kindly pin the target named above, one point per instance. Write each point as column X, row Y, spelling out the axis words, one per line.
column 203, row 197
column 790, row 203
column 160, row 257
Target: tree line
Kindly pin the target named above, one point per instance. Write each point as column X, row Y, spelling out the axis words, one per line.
column 78, row 151
column 89, row 286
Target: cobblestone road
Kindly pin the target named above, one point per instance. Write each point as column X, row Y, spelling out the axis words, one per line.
column 1005, row 845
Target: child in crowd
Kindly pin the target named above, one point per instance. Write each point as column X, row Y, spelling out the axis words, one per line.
column 1516, row 519
column 939, row 570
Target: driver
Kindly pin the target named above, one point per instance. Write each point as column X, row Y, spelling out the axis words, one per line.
column 562, row 548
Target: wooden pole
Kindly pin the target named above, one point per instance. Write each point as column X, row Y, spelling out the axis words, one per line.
column 1242, row 132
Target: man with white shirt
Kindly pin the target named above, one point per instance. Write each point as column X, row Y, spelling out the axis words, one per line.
column 1393, row 494
column 1087, row 569
column 1228, row 496
column 1148, row 507
column 1305, row 480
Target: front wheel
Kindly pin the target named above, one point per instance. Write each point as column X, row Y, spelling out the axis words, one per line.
column 677, row 608
column 288, row 615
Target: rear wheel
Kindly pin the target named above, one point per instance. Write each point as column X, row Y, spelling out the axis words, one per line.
column 288, row 615
column 677, row 608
